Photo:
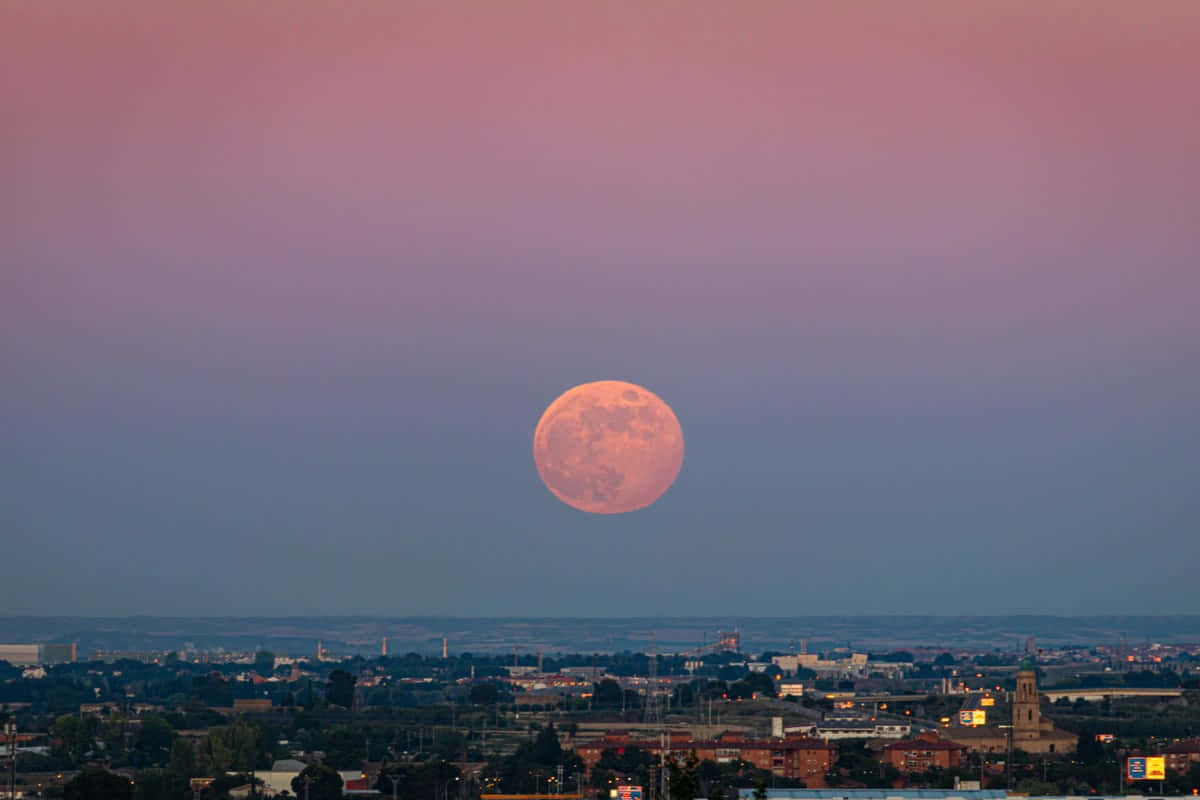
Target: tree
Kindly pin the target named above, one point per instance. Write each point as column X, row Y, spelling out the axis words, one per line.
column 684, row 783
column 221, row 785
column 740, row 690
column 318, row 782
column 183, row 759
column 483, row 694
column 113, row 736
column 546, row 749
column 449, row 744
column 760, row 789
column 75, row 736
column 762, row 682
column 417, row 780
column 607, row 694
column 264, row 663
column 152, row 742
column 229, row 747
column 160, row 784
column 1088, row 750
column 212, row 690
column 345, row 747
column 340, row 691
column 98, row 784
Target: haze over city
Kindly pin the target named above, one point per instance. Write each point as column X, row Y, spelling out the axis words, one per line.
column 285, row 288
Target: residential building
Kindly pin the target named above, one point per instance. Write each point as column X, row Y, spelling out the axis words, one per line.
column 924, row 752
column 792, row 757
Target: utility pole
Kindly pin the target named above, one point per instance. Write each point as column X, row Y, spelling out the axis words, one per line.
column 665, row 790
column 1008, row 762
column 307, row 782
column 11, row 729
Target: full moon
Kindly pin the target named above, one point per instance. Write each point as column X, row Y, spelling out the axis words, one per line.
column 608, row 447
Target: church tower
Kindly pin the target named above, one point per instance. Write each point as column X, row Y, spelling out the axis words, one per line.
column 1027, row 715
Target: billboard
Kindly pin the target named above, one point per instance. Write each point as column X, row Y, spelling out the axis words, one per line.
column 1146, row 768
column 629, row 793
column 973, row 718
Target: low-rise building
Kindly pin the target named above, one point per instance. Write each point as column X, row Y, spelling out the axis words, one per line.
column 852, row 725
column 924, row 752
column 797, row 757
column 1182, row 755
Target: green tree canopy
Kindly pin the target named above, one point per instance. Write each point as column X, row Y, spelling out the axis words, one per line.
column 340, row 691
column 546, row 749
column 484, row 694
column 229, row 747
column 318, row 782
column 264, row 663
column 682, row 777
column 152, row 741
column 98, row 784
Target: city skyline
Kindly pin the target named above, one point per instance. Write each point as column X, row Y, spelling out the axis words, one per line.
column 285, row 288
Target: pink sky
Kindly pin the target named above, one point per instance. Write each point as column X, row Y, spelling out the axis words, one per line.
column 951, row 232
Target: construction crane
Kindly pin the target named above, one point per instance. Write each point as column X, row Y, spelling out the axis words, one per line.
column 726, row 640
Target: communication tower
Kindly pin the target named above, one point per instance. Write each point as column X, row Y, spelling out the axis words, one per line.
column 652, row 712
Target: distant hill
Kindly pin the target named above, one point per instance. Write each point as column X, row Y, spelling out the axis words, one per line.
column 346, row 635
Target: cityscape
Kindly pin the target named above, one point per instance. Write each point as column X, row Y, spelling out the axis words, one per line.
column 723, row 719
column 599, row 399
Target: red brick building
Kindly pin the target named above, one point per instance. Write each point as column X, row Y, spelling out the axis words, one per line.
column 793, row 757
column 927, row 750
column 807, row 759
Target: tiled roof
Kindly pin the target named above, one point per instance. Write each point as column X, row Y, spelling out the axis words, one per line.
column 709, row 744
column 925, row 744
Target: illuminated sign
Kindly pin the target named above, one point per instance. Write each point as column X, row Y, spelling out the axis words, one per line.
column 988, row 701
column 1105, row 737
column 629, row 793
column 973, row 718
column 1146, row 768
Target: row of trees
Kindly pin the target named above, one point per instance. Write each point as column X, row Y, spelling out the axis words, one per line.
column 315, row 782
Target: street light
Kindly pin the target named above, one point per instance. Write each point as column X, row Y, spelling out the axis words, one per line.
column 395, row 779
column 1008, row 732
column 446, row 788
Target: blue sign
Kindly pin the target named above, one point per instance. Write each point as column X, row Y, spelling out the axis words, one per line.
column 1136, row 768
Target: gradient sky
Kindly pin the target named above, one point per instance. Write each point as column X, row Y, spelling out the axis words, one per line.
column 285, row 286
